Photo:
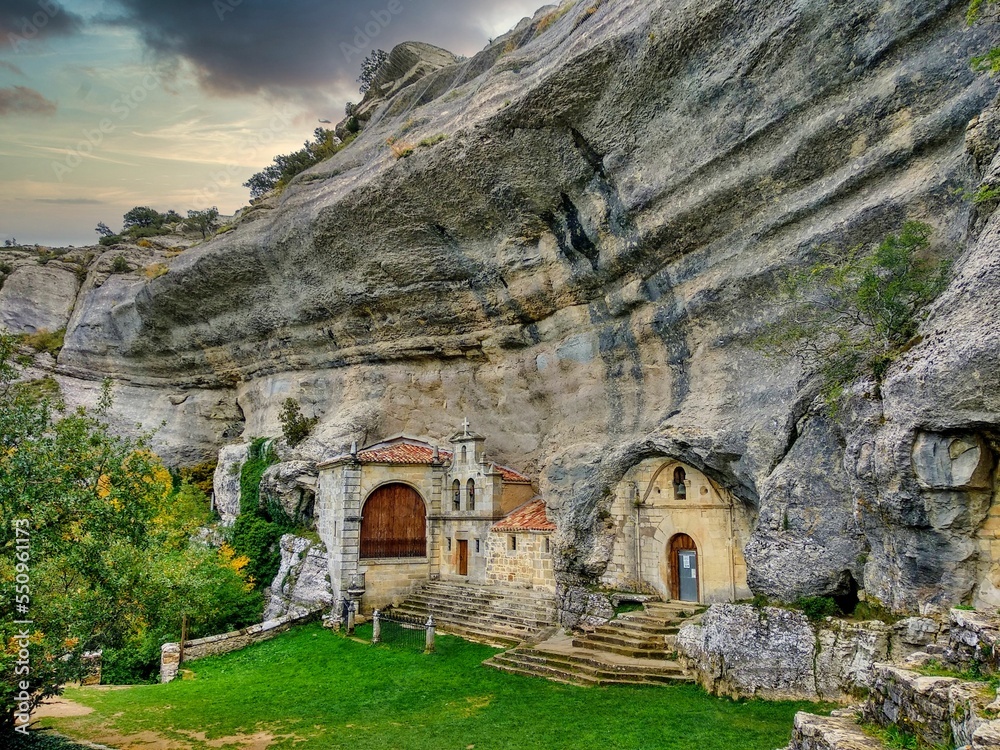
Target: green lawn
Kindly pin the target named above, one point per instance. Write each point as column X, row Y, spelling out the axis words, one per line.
column 312, row 688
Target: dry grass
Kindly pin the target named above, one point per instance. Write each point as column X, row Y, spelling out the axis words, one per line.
column 154, row 271
column 546, row 21
column 400, row 149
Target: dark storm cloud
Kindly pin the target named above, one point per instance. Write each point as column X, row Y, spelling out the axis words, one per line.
column 24, row 21
column 284, row 46
column 19, row 100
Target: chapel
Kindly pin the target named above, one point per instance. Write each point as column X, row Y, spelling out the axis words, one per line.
column 403, row 511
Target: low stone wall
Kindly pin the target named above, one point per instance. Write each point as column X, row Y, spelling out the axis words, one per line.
column 937, row 710
column 170, row 653
column 973, row 641
column 744, row 651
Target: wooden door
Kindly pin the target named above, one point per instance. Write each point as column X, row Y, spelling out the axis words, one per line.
column 394, row 523
column 463, row 557
column 683, row 556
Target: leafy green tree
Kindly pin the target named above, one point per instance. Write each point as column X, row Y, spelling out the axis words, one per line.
column 103, row 230
column 294, row 426
column 207, row 220
column 285, row 166
column 850, row 315
column 142, row 216
column 95, row 548
column 369, row 69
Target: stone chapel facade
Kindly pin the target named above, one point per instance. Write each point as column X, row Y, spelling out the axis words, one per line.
column 403, row 511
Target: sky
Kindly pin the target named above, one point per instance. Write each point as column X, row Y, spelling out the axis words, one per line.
column 174, row 104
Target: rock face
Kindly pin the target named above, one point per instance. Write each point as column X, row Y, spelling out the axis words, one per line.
column 227, row 481
column 36, row 297
column 580, row 264
column 302, row 584
column 745, row 651
column 292, row 485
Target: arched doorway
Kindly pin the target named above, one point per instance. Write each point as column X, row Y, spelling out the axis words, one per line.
column 394, row 523
column 683, row 556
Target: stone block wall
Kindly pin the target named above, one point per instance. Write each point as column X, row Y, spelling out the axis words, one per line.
column 646, row 505
column 170, row 653
column 529, row 565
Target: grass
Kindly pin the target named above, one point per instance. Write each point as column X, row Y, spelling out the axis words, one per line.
column 312, row 688
column 44, row 340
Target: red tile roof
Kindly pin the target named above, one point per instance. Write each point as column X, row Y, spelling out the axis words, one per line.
column 406, row 452
column 529, row 517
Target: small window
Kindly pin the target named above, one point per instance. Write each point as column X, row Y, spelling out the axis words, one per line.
column 472, row 495
column 465, row 454
column 448, row 541
column 548, row 547
column 680, row 489
column 477, row 546
column 457, row 495
column 512, row 543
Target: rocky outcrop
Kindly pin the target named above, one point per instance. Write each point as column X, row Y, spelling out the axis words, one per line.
column 36, row 297
column 581, row 264
column 768, row 652
column 226, row 483
column 292, row 486
column 303, row 582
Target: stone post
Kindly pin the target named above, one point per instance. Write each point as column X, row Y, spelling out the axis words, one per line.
column 376, row 627
column 350, row 618
column 429, row 647
column 170, row 661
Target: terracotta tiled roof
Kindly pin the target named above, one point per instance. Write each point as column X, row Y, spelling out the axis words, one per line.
column 529, row 517
column 406, row 452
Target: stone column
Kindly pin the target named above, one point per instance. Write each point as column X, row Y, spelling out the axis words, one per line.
column 170, row 661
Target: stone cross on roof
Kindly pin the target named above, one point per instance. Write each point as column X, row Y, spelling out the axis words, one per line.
column 465, row 426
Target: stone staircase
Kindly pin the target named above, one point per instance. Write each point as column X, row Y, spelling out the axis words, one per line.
column 487, row 614
column 647, row 634
column 633, row 649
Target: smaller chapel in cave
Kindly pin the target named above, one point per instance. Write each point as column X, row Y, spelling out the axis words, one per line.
column 403, row 512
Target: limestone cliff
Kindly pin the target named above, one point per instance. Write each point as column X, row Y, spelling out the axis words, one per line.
column 568, row 241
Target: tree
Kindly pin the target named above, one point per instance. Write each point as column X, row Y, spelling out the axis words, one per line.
column 370, row 67
column 142, row 216
column 207, row 220
column 94, row 546
column 851, row 314
column 294, row 427
column 103, row 230
column 285, row 166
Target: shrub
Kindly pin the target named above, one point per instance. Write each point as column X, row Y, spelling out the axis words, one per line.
column 154, row 271
column 111, row 239
column 817, row 608
column 294, row 426
column 851, row 314
column 120, row 265
column 43, row 340
column 286, row 166
column 400, row 149
column 433, row 140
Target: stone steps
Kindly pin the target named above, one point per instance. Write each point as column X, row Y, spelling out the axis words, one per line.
column 489, row 614
column 501, row 610
column 553, row 667
column 813, row 732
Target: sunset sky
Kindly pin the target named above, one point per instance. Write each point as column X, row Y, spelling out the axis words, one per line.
column 174, row 104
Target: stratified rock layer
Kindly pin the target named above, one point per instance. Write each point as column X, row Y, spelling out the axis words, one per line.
column 581, row 262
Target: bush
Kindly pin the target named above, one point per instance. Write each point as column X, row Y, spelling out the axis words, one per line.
column 111, row 239
column 43, row 340
column 154, row 271
column 286, row 166
column 120, row 265
column 851, row 314
column 817, row 608
column 294, row 426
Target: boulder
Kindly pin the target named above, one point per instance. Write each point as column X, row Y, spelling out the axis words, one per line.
column 292, row 486
column 36, row 297
column 227, row 481
column 303, row 581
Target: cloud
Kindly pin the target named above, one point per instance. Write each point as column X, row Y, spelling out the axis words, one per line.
column 293, row 47
column 4, row 65
column 24, row 21
column 20, row 100
column 71, row 201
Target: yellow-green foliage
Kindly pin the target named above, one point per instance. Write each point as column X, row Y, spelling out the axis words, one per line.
column 400, row 149
column 201, row 475
column 433, row 140
column 44, row 340
column 547, row 20
column 154, row 271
